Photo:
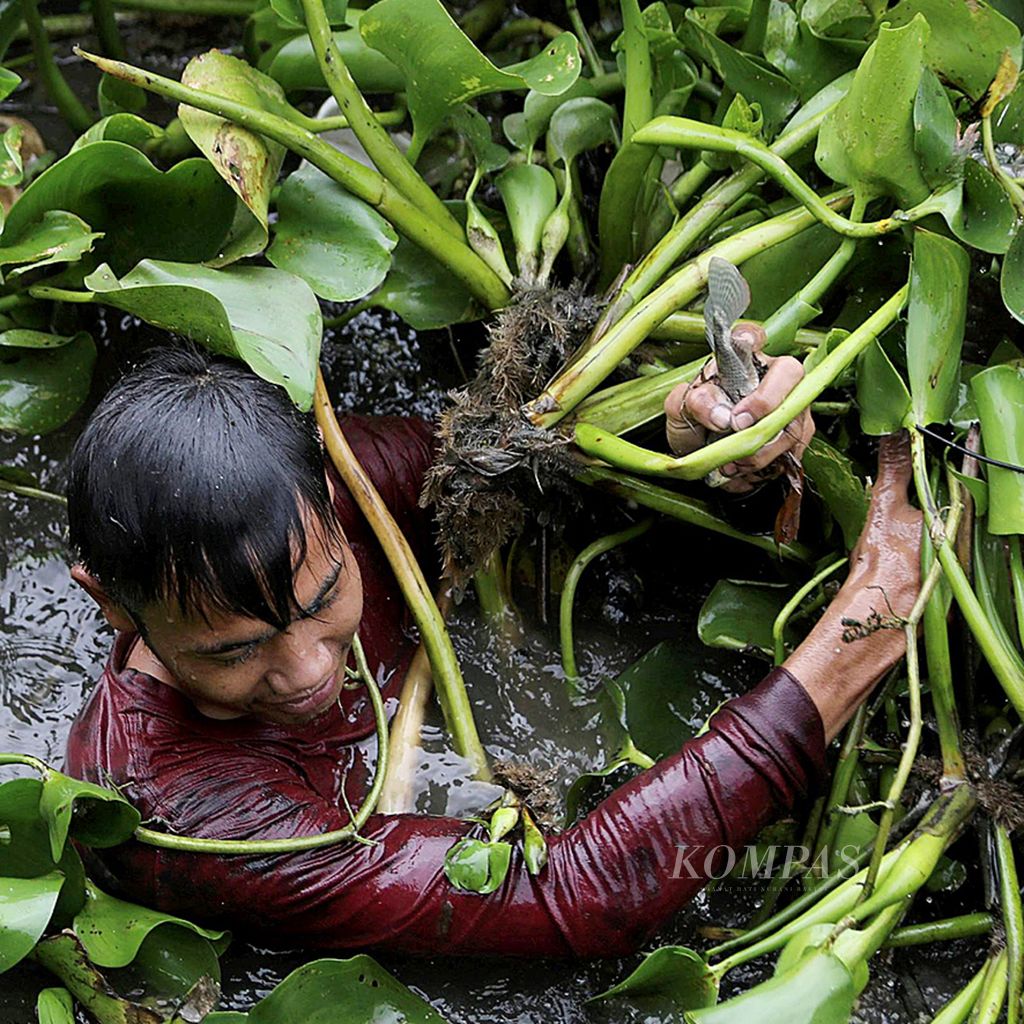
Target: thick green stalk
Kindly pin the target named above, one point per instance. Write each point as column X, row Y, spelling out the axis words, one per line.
column 363, row 182
column 966, row 926
column 451, row 689
column 993, row 992
column 687, row 134
column 782, row 619
column 940, row 675
column 684, row 326
column 635, row 459
column 262, row 847
column 690, row 228
column 1005, row 663
column 957, row 1009
column 70, row 106
column 1017, row 580
column 1013, row 921
column 686, row 186
column 379, row 146
column 106, row 28
column 597, row 361
column 494, row 596
column 572, row 579
column 681, row 507
column 639, row 105
column 25, row 759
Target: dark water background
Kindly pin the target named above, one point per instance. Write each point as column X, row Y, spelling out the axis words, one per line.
column 53, row 644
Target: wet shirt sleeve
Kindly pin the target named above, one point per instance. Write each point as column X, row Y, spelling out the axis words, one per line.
column 610, row 881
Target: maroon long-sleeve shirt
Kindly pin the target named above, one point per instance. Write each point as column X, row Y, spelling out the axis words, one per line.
column 610, row 880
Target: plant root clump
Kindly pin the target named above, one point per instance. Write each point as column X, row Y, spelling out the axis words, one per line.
column 533, row 787
column 494, row 470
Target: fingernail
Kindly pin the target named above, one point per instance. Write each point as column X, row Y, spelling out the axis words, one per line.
column 743, row 420
column 721, row 415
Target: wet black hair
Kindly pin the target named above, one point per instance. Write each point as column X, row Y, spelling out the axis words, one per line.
column 189, row 485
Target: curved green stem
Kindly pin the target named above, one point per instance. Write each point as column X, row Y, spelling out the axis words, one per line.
column 993, row 992
column 363, row 182
column 595, row 362
column 965, row 926
column 782, row 619
column 684, row 326
column 689, row 182
column 380, row 148
column 71, row 108
column 634, row 459
column 1005, row 663
column 590, row 54
column 106, row 28
column 639, row 104
column 1013, row 191
column 958, row 1008
column 252, row 847
column 45, row 291
column 25, row 759
column 1013, row 921
column 451, row 689
column 688, row 134
column 572, row 579
column 31, row 492
column 681, row 507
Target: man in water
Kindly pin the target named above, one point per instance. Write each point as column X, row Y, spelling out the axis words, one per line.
column 236, row 570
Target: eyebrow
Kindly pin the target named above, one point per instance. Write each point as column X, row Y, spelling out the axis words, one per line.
column 304, row 613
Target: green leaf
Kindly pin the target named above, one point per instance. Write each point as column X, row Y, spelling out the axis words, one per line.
column 59, row 237
column 585, row 782
column 20, row 337
column 577, row 126
column 12, row 167
column 980, row 214
column 669, row 978
column 1011, row 278
column 820, row 989
column 476, row 130
column 423, row 292
column 839, row 20
column 9, row 81
column 831, row 473
column 340, row 246
column 967, row 40
column 475, row 865
column 112, row 931
column 26, row 905
column 25, row 851
column 443, row 68
column 867, row 141
column 115, row 96
column 295, row 67
column 525, row 127
column 267, row 318
column 95, row 816
column 357, row 990
column 183, row 214
column 54, row 1006
column 882, row 397
column 530, row 195
column 999, row 394
column 291, row 13
column 248, row 162
column 935, row 134
column 936, row 317
column 738, row 614
column 127, row 128
column 41, row 389
column 741, row 73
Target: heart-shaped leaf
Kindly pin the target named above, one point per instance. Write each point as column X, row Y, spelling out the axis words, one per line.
column 525, row 127
column 26, row 905
column 340, row 246
column 937, row 313
column 980, row 213
column 267, row 318
column 738, row 614
column 967, row 40
column 578, row 125
column 882, row 397
column 936, row 134
column 833, row 479
column 669, row 978
column 59, row 237
column 42, row 388
column 367, row 993
column 95, row 816
column 867, row 141
column 190, row 196
column 54, row 1006
column 127, row 128
column 248, row 162
column 475, row 865
column 443, row 68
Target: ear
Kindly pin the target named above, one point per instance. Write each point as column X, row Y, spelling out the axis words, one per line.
column 113, row 612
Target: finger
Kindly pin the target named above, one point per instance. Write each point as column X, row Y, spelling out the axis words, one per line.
column 783, row 375
column 790, row 439
column 743, row 483
column 749, row 335
column 894, row 470
column 684, row 434
column 709, row 406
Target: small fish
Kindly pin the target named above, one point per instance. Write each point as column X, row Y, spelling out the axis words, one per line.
column 728, row 298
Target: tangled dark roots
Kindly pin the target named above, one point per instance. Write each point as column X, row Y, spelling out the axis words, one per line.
column 494, row 468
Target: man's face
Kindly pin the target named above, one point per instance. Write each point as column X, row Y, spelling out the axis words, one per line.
column 234, row 665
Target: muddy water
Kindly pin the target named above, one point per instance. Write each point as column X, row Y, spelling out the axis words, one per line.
column 52, row 644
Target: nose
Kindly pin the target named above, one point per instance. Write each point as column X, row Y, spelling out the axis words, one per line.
column 303, row 659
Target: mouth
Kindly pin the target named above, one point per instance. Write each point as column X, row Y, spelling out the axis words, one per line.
column 310, row 702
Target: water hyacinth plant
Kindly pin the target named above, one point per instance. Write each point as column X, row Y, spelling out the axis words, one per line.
column 858, row 162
